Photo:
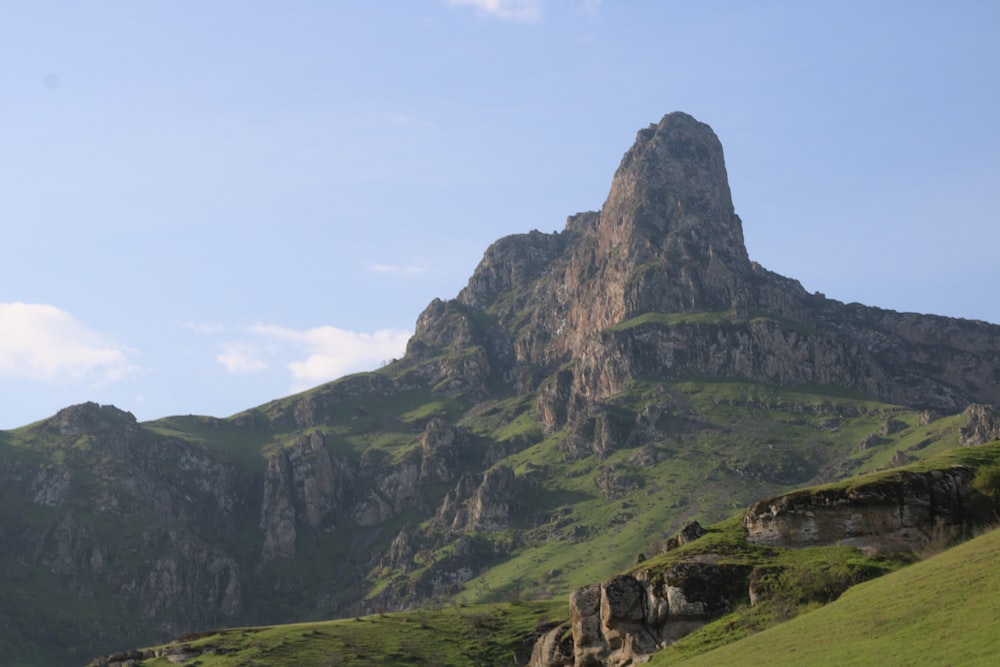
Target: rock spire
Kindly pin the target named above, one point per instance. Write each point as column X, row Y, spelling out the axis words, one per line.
column 670, row 197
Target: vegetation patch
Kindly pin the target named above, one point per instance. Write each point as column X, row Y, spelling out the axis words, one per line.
column 454, row 636
column 673, row 319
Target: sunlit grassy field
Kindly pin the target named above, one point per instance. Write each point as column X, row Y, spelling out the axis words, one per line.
column 941, row 611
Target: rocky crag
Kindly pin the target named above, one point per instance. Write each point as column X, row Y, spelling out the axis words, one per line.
column 550, row 402
column 658, row 282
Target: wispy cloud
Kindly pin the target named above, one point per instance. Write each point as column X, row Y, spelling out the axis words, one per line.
column 330, row 352
column 526, row 11
column 312, row 356
column 395, row 270
column 42, row 343
column 241, row 357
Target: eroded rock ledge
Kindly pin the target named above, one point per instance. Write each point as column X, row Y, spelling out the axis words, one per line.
column 900, row 513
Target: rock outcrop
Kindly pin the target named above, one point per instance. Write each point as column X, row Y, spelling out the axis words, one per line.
column 901, row 512
column 487, row 505
column 626, row 618
column 983, row 425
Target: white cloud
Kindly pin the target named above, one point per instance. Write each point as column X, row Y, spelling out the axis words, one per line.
column 510, row 10
column 395, row 270
column 526, row 11
column 330, row 353
column 43, row 343
column 240, row 357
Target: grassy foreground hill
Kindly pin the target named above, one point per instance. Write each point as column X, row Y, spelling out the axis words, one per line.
column 482, row 635
column 941, row 611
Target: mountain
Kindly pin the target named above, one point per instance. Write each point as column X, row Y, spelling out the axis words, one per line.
column 658, row 283
column 587, row 394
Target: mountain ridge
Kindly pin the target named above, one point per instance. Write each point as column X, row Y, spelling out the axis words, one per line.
column 667, row 240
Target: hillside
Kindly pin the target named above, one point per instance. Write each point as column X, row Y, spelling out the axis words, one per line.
column 454, row 636
column 936, row 612
column 720, row 570
column 589, row 393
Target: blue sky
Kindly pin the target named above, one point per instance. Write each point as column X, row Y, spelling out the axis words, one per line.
column 208, row 205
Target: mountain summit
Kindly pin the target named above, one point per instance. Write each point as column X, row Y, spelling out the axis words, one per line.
column 666, row 240
column 670, row 202
column 659, row 283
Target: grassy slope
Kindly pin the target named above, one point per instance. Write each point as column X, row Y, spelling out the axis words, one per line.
column 942, row 611
column 717, row 442
column 454, row 636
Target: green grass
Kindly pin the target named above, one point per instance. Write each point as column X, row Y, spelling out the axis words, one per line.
column 714, row 428
column 219, row 436
column 802, row 580
column 975, row 457
column 672, row 319
column 941, row 611
column 454, row 636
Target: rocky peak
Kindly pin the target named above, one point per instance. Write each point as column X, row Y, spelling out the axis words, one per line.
column 667, row 238
column 670, row 198
column 91, row 419
column 659, row 283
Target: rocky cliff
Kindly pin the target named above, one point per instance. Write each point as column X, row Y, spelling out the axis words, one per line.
column 658, row 282
column 587, row 389
column 898, row 513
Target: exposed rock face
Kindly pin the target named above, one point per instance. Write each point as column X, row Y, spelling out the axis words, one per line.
column 450, row 344
column 486, row 506
column 91, row 419
column 564, row 309
column 621, row 621
column 552, row 649
column 440, row 450
column 666, row 240
column 116, row 511
column 669, row 222
column 895, row 514
column 302, row 484
column 190, row 574
column 983, row 425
